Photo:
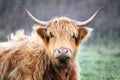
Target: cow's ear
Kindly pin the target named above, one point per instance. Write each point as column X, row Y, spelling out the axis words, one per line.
column 42, row 32
column 84, row 33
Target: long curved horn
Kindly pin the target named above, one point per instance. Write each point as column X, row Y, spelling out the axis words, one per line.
column 84, row 23
column 36, row 21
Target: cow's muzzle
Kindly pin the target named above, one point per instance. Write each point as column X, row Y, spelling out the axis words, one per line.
column 63, row 54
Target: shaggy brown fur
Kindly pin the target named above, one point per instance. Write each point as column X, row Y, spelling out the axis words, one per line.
column 31, row 57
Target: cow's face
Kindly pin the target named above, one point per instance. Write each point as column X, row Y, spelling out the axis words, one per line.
column 62, row 38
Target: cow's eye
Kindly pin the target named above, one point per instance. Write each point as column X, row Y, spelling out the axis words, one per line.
column 51, row 35
column 74, row 37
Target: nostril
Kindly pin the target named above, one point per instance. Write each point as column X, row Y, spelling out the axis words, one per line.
column 59, row 51
column 66, row 51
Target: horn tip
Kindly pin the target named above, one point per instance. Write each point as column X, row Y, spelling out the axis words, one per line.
column 101, row 8
column 26, row 9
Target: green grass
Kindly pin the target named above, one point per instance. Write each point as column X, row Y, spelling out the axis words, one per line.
column 100, row 61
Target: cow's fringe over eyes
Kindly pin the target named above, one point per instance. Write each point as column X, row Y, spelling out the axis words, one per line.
column 66, row 27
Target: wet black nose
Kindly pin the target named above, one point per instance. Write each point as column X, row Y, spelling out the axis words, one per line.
column 63, row 52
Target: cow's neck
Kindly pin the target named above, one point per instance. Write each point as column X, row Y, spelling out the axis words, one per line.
column 56, row 72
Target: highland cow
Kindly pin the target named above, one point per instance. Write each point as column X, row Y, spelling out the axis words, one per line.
column 50, row 53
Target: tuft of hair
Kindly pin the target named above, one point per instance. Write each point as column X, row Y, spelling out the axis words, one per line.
column 19, row 35
column 90, row 31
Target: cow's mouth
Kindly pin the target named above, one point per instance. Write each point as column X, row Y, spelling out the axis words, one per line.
column 63, row 59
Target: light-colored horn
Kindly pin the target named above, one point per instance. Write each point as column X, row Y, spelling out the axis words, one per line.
column 36, row 21
column 84, row 23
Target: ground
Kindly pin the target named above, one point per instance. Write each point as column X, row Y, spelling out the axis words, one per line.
column 100, row 60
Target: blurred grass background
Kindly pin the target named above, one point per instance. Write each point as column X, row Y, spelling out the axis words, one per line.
column 100, row 60
column 99, row 57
